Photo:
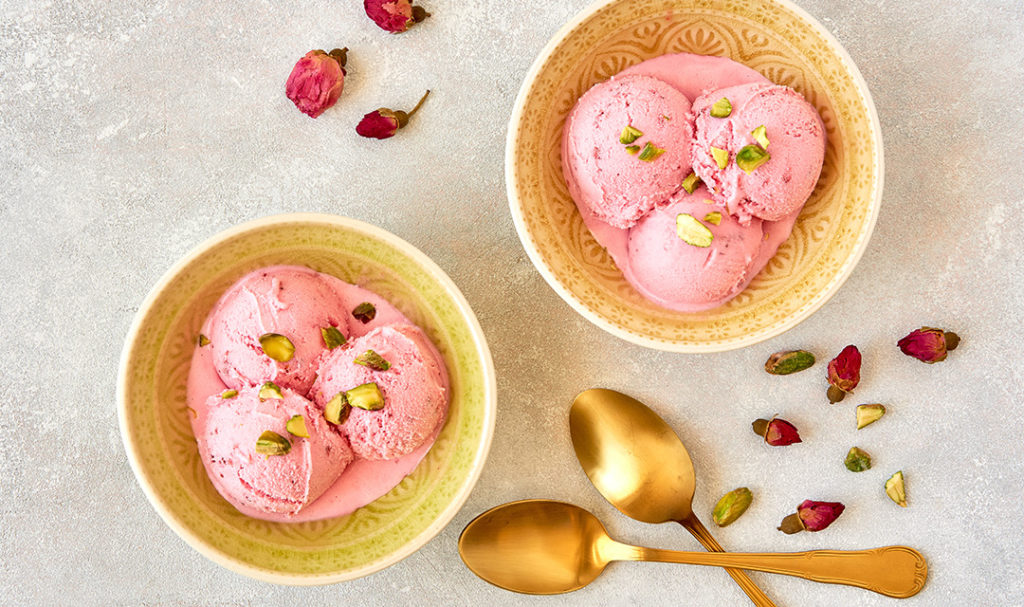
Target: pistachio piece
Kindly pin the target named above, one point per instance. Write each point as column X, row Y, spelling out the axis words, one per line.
column 630, row 134
column 337, row 409
column 297, row 426
column 693, row 232
column 365, row 312
column 714, row 217
column 650, row 152
column 721, row 157
column 229, row 394
column 857, row 460
column 691, row 182
column 277, row 346
column 788, row 361
column 270, row 390
column 271, row 443
column 731, row 506
column 868, row 414
column 761, row 136
column 366, row 396
column 721, row 108
column 203, row 340
column 896, row 490
column 632, row 150
column 751, row 157
column 332, row 337
column 373, row 360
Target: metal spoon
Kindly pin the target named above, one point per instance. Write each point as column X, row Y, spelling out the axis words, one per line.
column 639, row 464
column 548, row 547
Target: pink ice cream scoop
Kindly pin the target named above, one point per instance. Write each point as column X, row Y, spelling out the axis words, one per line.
column 414, row 389
column 290, row 301
column 270, row 483
column 770, row 179
column 627, row 147
column 685, row 277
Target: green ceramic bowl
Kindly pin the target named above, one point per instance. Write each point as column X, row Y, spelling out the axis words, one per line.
column 157, row 432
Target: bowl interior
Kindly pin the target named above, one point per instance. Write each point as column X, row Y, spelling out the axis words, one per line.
column 158, row 434
column 780, row 42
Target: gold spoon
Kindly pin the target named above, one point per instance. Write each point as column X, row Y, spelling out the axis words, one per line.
column 548, row 547
column 638, row 463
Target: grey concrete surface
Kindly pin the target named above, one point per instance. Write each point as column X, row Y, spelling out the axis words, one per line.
column 132, row 130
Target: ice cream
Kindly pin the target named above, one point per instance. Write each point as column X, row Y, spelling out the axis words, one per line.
column 795, row 148
column 411, row 385
column 270, row 483
column 662, row 238
column 273, row 451
column 628, row 147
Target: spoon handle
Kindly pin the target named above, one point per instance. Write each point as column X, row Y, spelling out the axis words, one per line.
column 896, row 571
column 694, row 526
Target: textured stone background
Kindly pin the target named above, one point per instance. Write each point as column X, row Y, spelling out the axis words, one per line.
column 130, row 131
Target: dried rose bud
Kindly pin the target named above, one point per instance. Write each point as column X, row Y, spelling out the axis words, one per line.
column 811, row 516
column 316, row 81
column 929, row 345
column 776, row 432
column 383, row 122
column 394, row 16
column 843, row 373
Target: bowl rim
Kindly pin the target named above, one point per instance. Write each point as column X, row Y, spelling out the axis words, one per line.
column 518, row 218
column 434, row 528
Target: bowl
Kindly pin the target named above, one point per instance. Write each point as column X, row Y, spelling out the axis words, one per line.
column 780, row 41
column 157, row 433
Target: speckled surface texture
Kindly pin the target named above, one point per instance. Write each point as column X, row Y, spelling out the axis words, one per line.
column 131, row 131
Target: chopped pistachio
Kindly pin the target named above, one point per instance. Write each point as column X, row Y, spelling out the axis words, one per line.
column 332, row 337
column 857, row 460
column 365, row 312
column 271, row 443
column 751, row 157
column 366, row 396
column 373, row 360
column 692, row 231
column 761, row 136
column 270, row 390
column 788, row 361
column 633, row 149
column 691, row 183
column 896, row 490
column 731, row 506
column 650, row 152
column 229, row 394
column 714, row 217
column 337, row 409
column 721, row 108
column 297, row 426
column 277, row 346
column 721, row 157
column 203, row 340
column 868, row 414
column 630, row 134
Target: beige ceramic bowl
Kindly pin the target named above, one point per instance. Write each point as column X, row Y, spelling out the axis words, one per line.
column 157, row 432
column 773, row 37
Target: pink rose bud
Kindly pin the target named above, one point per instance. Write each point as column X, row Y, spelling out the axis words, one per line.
column 383, row 122
column 929, row 345
column 777, row 432
column 316, row 81
column 811, row 516
column 394, row 16
column 843, row 373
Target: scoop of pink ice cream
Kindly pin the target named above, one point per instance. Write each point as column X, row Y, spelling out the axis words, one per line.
column 415, row 390
column 292, row 301
column 796, row 147
column 688, row 278
column 617, row 186
column 276, row 483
